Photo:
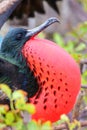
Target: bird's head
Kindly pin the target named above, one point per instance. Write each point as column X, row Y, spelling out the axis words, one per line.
column 15, row 39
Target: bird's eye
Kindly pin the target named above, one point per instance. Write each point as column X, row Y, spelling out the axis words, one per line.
column 19, row 36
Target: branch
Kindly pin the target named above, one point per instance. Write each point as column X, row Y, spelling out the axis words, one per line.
column 77, row 106
column 84, row 86
column 6, row 8
column 63, row 126
column 83, row 61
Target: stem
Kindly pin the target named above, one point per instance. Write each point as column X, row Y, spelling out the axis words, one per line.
column 11, row 104
column 6, row 8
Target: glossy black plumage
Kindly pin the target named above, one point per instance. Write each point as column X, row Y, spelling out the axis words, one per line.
column 29, row 7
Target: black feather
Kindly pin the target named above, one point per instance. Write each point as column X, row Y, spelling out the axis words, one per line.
column 29, row 7
column 10, row 75
column 52, row 4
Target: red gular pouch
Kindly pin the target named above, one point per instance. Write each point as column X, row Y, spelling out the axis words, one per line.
column 58, row 76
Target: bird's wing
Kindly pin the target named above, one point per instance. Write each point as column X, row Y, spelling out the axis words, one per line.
column 29, row 7
column 5, row 69
column 53, row 4
column 10, row 73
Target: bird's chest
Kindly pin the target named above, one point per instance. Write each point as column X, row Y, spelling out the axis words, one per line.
column 57, row 75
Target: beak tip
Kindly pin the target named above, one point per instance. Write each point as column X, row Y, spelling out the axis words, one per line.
column 54, row 19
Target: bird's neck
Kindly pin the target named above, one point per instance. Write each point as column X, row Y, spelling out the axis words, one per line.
column 14, row 58
column 29, row 83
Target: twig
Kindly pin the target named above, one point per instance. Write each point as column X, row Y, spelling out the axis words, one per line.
column 83, row 61
column 5, row 5
column 84, row 86
column 6, row 8
column 82, row 40
column 76, row 109
column 63, row 126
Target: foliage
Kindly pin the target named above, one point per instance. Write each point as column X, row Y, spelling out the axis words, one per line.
column 13, row 116
column 69, row 125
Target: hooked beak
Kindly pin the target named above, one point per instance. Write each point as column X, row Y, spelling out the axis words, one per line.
column 37, row 30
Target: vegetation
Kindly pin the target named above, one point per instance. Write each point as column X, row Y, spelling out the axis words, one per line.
column 75, row 42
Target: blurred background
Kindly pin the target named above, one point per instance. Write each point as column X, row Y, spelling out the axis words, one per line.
column 71, row 33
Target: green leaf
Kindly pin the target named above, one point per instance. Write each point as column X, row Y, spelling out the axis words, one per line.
column 18, row 94
column 10, row 117
column 81, row 47
column 46, row 126
column 60, row 122
column 2, row 125
column 74, row 33
column 32, row 125
column 20, row 103
column 64, row 118
column 77, row 57
column 69, row 46
column 74, row 124
column 5, row 88
column 3, row 109
column 29, row 108
column 58, row 39
column 19, row 125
